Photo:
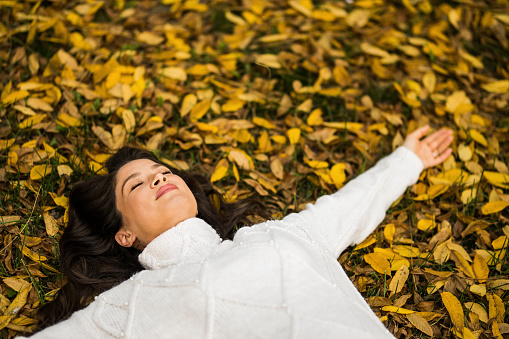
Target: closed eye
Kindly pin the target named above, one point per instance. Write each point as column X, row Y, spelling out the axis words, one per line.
column 168, row 172
column 138, row 184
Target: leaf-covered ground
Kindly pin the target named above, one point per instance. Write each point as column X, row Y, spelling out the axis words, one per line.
column 284, row 100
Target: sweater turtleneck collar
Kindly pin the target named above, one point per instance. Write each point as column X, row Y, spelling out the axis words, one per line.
column 192, row 239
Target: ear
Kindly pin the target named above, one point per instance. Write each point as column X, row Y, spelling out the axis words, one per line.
column 125, row 238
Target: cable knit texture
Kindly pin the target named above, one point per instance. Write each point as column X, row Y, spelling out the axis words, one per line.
column 277, row 279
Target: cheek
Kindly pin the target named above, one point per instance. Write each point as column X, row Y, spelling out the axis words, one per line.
column 134, row 207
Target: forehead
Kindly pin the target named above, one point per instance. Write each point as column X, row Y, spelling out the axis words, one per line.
column 140, row 165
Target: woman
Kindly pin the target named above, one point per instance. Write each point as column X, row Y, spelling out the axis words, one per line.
column 277, row 279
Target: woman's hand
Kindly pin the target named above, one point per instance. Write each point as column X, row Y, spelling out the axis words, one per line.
column 433, row 149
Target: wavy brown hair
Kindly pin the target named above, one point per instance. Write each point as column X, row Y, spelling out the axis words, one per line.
column 89, row 255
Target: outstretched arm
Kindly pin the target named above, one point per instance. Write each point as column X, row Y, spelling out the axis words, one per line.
column 351, row 214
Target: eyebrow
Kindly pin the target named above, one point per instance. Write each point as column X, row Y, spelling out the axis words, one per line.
column 134, row 175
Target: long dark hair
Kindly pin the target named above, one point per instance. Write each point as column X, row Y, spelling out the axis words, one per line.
column 89, row 255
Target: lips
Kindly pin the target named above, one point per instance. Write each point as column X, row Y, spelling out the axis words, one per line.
column 165, row 189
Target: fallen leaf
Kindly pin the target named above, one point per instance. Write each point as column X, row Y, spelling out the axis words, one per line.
column 454, row 309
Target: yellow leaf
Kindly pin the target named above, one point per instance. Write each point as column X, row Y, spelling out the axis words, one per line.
column 434, row 287
column 316, row 163
column 64, row 170
column 407, row 251
column 128, row 120
column 264, row 144
column 454, row 16
column 499, row 283
column 39, row 104
column 373, row 50
column 235, row 19
column 496, row 307
column 220, row 171
column 453, row 306
column 12, row 158
column 349, row 126
column 16, row 305
column 399, row 280
column 31, row 121
column 366, row 243
column 207, row 127
column 175, row 73
column 5, row 144
column 466, row 334
column 16, row 284
column 358, row 18
column 233, row 105
column 468, row 195
column 465, row 152
column 480, row 290
column 29, row 144
column 460, row 250
column 24, row 109
column 389, row 231
column 303, row 6
column 268, row 60
column 323, row 15
column 149, row 38
column 315, row 118
column 241, row 158
column 378, row 262
column 68, row 120
column 475, row 62
column 497, row 179
column 104, row 136
column 276, row 167
column 426, row 224
column 500, row 86
column 420, row 323
column 477, row 309
column 112, row 79
column 62, row 201
column 494, row 207
column 410, row 51
column 429, row 80
column 236, row 172
column 435, row 190
column 263, row 123
column 305, row 106
column 40, row 171
column 462, row 264
column 337, row 174
column 32, row 255
column 188, row 103
column 395, row 309
column 15, row 96
column 478, row 137
column 458, row 102
column 293, row 135
column 199, row 110
column 480, row 267
column 51, row 224
column 500, row 243
column 198, row 70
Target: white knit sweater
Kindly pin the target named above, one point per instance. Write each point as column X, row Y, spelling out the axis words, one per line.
column 277, row 279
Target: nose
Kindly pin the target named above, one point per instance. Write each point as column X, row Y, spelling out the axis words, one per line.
column 158, row 178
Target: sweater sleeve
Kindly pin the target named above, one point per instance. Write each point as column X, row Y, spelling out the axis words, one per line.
column 348, row 216
column 80, row 325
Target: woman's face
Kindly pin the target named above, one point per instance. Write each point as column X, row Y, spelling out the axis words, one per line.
column 151, row 200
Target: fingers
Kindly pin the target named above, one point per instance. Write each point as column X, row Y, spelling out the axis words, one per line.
column 420, row 132
column 439, row 141
column 442, row 156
